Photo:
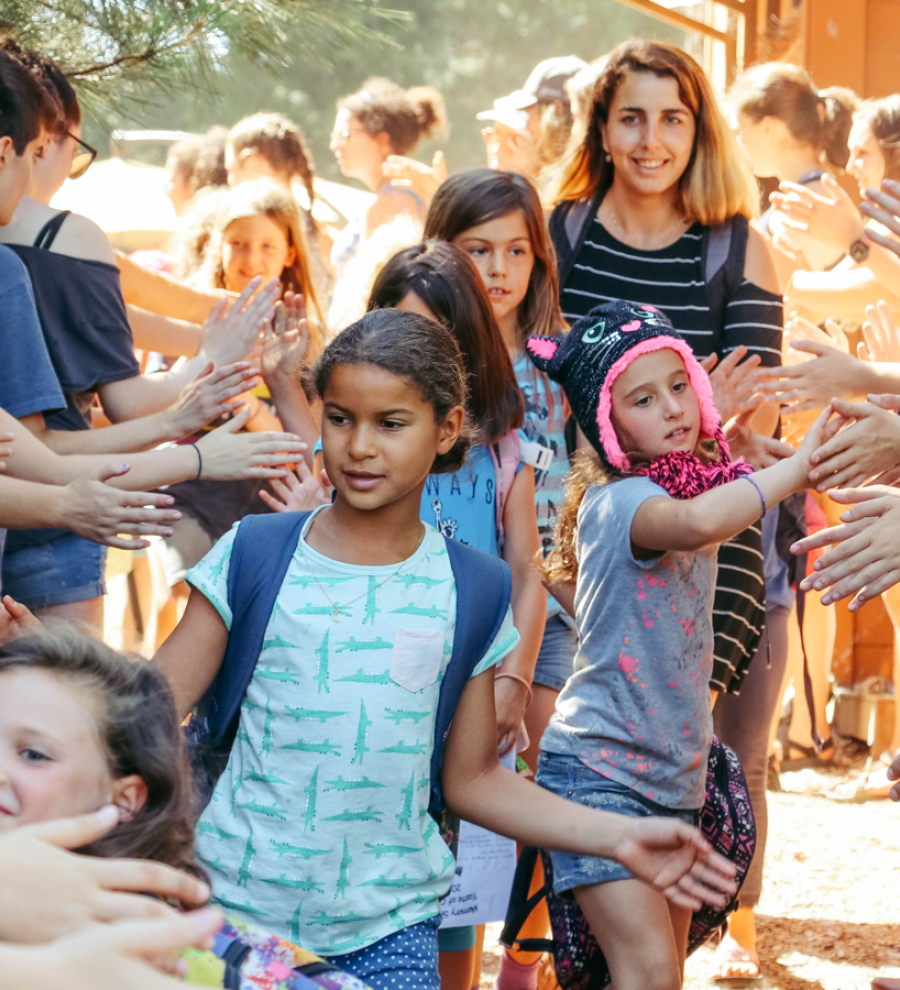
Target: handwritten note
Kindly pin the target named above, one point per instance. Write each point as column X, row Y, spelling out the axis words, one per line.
column 485, row 867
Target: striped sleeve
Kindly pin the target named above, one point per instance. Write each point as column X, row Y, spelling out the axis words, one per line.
column 754, row 318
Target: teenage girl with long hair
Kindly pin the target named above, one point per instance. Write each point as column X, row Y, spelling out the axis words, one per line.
column 496, row 219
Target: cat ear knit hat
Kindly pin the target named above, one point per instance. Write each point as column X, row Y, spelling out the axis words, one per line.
column 596, row 350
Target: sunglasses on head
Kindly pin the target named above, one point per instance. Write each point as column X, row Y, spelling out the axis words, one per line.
column 83, row 157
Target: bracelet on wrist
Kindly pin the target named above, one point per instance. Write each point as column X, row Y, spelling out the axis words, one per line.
column 500, row 674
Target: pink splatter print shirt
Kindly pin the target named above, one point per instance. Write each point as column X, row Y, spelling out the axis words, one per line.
column 637, row 708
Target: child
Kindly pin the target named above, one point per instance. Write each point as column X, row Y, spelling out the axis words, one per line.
column 496, row 218
column 257, row 232
column 81, row 728
column 632, row 728
column 319, row 821
column 486, row 497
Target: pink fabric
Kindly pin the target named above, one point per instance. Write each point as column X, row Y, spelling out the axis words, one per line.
column 709, row 417
column 542, row 347
column 684, row 475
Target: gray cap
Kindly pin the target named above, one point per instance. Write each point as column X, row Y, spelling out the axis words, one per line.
column 546, row 83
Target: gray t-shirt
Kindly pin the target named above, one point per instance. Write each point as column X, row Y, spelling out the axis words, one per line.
column 637, row 708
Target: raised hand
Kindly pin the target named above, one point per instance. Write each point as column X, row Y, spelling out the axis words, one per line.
column 228, row 455
column 210, row 395
column 866, row 560
column 98, row 512
column 760, row 451
column 421, row 179
column 867, row 444
column 231, row 336
column 48, row 892
column 676, row 860
column 880, row 335
column 884, row 206
column 298, row 492
column 829, row 219
column 734, row 382
column 285, row 342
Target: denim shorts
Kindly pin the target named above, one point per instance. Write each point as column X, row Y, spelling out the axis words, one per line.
column 65, row 570
column 557, row 655
column 568, row 777
column 406, row 960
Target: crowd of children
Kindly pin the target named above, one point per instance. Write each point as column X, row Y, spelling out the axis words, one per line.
column 495, row 475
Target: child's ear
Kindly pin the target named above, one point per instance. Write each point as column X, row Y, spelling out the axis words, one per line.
column 291, row 257
column 450, row 429
column 7, row 151
column 129, row 796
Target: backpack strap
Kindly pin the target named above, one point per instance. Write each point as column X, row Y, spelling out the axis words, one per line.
column 506, row 454
column 260, row 556
column 723, row 254
column 47, row 234
column 483, row 586
column 569, row 224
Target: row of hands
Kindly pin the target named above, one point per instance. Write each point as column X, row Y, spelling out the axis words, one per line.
column 275, row 337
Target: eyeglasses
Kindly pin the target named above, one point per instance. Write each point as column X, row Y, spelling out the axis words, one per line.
column 83, row 158
column 346, row 132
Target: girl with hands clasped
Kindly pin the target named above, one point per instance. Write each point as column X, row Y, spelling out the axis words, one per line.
column 635, row 561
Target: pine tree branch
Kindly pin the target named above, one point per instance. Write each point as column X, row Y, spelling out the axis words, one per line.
column 139, row 58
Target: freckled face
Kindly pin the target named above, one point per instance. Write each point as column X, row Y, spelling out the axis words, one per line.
column 654, row 406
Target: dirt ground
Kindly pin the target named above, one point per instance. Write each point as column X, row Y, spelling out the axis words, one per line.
column 829, row 918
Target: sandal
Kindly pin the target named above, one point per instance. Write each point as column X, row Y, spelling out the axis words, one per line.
column 811, row 757
column 733, row 962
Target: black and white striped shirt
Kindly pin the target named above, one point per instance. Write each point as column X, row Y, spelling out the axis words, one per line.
column 672, row 279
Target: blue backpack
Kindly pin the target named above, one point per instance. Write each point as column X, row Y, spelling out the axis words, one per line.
column 260, row 556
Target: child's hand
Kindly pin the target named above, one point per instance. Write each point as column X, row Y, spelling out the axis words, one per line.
column 48, row 892
column 760, row 451
column 510, row 701
column 868, row 559
column 6, row 449
column 867, row 446
column 210, row 395
column 676, row 860
column 229, row 455
column 296, row 492
column 285, row 342
column 131, row 955
column 15, row 619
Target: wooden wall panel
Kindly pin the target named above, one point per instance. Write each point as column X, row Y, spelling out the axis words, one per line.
column 836, row 42
column 882, row 58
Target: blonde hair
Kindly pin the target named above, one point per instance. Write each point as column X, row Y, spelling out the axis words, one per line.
column 265, row 197
column 717, row 182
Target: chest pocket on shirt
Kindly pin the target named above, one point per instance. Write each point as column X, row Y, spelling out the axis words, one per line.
column 416, row 657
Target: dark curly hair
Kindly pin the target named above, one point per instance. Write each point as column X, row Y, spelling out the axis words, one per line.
column 405, row 115
column 139, row 731
column 423, row 352
column 280, row 141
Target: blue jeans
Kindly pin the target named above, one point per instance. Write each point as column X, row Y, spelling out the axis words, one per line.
column 65, row 570
column 568, row 777
column 406, row 960
column 557, row 654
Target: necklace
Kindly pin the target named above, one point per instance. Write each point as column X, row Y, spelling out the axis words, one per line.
column 337, row 608
column 663, row 237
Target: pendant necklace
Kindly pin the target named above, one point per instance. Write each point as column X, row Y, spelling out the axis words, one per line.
column 337, row 608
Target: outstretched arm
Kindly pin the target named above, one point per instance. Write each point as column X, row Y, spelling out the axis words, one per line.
column 672, row 857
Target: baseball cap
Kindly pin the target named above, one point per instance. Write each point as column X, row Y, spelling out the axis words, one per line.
column 505, row 113
column 546, row 83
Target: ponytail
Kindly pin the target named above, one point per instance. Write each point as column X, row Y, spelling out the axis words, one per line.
column 838, row 105
column 406, row 116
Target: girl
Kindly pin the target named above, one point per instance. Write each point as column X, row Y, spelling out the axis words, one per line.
column 319, row 819
column 83, row 727
column 378, row 121
column 437, row 281
column 268, row 145
column 794, row 132
column 632, row 727
column 496, row 218
column 257, row 233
